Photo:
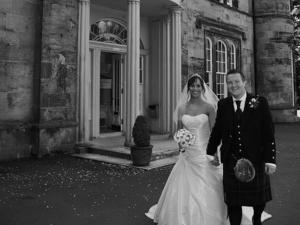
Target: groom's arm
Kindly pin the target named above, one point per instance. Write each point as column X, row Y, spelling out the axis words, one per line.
column 216, row 133
column 269, row 145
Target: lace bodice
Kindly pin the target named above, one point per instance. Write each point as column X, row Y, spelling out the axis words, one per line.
column 199, row 126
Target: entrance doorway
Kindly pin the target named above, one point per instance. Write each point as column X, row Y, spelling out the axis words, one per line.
column 111, row 75
column 103, row 93
column 106, row 98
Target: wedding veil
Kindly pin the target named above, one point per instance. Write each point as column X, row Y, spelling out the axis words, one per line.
column 207, row 95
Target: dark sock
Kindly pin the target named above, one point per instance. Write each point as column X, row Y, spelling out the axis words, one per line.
column 258, row 209
column 235, row 215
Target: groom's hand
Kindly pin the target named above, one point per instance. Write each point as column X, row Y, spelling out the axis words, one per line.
column 270, row 168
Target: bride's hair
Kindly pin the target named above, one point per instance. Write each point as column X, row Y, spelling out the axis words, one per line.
column 207, row 94
column 192, row 79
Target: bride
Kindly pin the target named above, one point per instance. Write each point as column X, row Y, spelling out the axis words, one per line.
column 193, row 193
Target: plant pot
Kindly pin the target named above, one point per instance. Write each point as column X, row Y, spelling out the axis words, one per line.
column 141, row 156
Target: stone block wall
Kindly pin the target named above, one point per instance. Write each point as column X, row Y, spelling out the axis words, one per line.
column 58, row 83
column 274, row 62
column 208, row 15
column 19, row 60
column 15, row 141
column 274, row 65
column 38, row 74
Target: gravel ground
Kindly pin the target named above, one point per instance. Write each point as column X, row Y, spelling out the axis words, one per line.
column 62, row 190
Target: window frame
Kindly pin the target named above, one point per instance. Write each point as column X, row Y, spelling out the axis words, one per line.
column 221, row 68
column 106, row 34
column 230, row 54
column 229, row 41
column 209, row 72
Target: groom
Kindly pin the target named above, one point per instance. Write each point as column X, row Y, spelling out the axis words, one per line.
column 245, row 127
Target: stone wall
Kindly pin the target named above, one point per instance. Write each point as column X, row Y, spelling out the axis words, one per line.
column 208, row 15
column 38, row 73
column 58, row 83
column 273, row 26
column 19, row 60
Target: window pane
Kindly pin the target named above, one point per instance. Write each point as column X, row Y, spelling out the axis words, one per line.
column 221, row 69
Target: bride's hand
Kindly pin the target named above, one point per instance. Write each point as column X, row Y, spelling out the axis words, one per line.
column 215, row 161
column 181, row 149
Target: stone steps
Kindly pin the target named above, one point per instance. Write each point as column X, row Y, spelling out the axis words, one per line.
column 164, row 152
column 122, row 152
column 126, row 162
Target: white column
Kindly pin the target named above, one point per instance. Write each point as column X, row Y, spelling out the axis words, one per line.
column 83, row 63
column 95, row 84
column 133, row 63
column 166, row 108
column 175, row 58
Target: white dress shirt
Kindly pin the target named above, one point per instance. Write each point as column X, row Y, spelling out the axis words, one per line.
column 243, row 101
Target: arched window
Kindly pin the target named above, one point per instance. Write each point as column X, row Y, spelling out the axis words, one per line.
column 232, row 56
column 110, row 31
column 208, row 57
column 221, row 69
column 221, row 54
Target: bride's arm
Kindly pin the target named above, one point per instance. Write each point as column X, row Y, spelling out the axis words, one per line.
column 179, row 125
column 211, row 116
column 179, row 121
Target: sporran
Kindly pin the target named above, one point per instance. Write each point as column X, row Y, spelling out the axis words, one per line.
column 244, row 170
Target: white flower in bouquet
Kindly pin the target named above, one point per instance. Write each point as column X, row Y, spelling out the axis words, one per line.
column 185, row 138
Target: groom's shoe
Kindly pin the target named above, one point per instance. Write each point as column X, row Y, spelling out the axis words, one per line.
column 256, row 221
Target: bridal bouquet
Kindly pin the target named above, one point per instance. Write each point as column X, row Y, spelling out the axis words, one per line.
column 184, row 138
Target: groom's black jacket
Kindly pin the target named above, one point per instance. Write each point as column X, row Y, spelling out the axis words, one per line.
column 257, row 132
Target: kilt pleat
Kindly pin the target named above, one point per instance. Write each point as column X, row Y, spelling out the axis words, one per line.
column 255, row 192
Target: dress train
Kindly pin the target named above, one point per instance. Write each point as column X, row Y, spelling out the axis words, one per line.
column 246, row 219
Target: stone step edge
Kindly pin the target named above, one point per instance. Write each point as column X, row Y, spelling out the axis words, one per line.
column 125, row 162
column 123, row 153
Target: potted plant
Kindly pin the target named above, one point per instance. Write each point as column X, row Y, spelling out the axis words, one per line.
column 141, row 151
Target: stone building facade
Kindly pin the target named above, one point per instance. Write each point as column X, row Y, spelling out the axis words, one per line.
column 75, row 70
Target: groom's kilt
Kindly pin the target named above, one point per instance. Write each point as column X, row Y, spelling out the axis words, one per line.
column 255, row 192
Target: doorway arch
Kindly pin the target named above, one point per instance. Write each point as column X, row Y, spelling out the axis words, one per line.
column 110, row 30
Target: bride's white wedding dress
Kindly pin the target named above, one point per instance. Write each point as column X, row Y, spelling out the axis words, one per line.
column 193, row 193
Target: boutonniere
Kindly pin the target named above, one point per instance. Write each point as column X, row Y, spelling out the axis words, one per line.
column 253, row 103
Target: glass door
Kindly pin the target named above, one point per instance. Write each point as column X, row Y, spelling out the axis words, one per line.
column 110, row 92
column 141, row 85
column 116, row 92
